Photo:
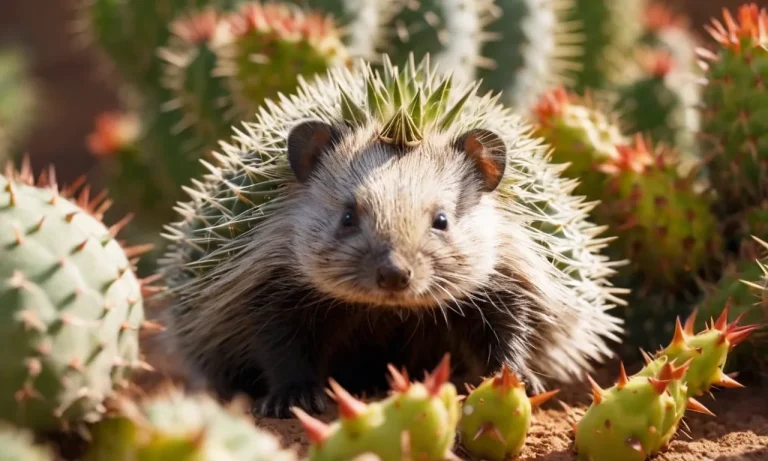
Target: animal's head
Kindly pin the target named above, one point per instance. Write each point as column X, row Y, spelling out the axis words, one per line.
column 387, row 225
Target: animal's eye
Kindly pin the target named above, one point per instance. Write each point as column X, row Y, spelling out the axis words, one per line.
column 440, row 222
column 349, row 218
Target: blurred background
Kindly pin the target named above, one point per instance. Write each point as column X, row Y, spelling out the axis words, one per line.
column 74, row 95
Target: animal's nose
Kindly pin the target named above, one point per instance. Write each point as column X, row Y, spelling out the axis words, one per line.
column 393, row 277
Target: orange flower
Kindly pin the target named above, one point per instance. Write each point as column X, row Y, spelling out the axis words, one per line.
column 752, row 23
column 113, row 131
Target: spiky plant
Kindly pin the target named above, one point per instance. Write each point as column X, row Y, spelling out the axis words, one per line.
column 176, row 426
column 663, row 221
column 18, row 445
column 734, row 126
column 581, row 134
column 19, row 101
column 72, row 306
column 742, row 292
column 527, row 48
column 363, row 22
column 610, row 29
column 252, row 182
column 417, row 420
column 496, row 417
column 656, row 101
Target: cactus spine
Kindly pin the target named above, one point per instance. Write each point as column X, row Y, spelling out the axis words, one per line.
column 417, row 421
column 496, row 417
column 72, row 305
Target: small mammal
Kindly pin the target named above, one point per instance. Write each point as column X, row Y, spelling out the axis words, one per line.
column 383, row 252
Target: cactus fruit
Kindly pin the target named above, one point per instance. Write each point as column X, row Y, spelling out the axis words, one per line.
column 451, row 32
column 18, row 101
column 417, row 421
column 496, row 417
column 253, row 182
column 635, row 418
column 528, row 48
column 706, row 352
column 581, row 134
column 72, row 306
column 734, row 123
column 175, row 426
column 607, row 48
column 18, row 445
column 664, row 223
column 743, row 289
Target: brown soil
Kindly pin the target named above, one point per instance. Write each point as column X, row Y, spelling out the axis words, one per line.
column 739, row 432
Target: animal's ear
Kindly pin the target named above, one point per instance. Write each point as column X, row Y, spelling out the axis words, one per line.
column 488, row 152
column 307, row 142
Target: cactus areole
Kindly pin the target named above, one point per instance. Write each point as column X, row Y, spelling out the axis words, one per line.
column 71, row 304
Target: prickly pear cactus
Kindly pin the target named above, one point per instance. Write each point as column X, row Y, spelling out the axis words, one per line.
column 72, row 305
column 18, row 101
column 664, row 224
column 451, row 32
column 496, row 417
column 633, row 419
column 528, row 50
column 734, row 133
column 743, row 289
column 175, row 426
column 607, row 47
column 581, row 134
column 18, row 445
column 705, row 351
column 417, row 421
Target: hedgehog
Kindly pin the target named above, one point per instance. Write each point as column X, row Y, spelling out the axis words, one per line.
column 384, row 217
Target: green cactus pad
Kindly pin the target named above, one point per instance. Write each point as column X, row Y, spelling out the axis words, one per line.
column 735, row 100
column 580, row 134
column 664, row 222
column 635, row 418
column 72, row 306
column 496, row 417
column 530, row 49
column 417, row 421
column 18, row 101
column 743, row 290
column 175, row 426
column 607, row 47
column 18, row 445
column 707, row 351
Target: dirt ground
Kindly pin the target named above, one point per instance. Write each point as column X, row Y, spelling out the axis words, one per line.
column 739, row 432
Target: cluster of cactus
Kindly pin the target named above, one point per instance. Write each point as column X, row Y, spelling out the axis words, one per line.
column 19, row 101
column 638, row 416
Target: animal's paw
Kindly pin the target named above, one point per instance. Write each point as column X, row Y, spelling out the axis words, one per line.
column 307, row 396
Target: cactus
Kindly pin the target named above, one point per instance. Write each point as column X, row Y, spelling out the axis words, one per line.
column 175, row 426
column 664, row 223
column 72, row 305
column 417, row 421
column 364, row 22
column 734, row 128
column 18, row 445
column 18, row 102
column 529, row 49
column 654, row 101
column 742, row 292
column 451, row 32
column 496, row 417
column 706, row 352
column 650, row 318
column 610, row 29
column 635, row 418
column 580, row 134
